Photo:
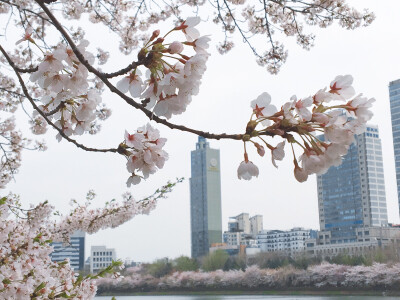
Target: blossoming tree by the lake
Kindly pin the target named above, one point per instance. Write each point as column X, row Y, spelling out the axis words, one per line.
column 49, row 71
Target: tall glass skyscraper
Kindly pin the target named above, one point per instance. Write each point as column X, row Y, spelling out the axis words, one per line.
column 394, row 94
column 205, row 198
column 352, row 195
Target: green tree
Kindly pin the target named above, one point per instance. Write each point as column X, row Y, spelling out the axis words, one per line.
column 159, row 268
column 270, row 260
column 215, row 260
column 235, row 263
column 184, row 263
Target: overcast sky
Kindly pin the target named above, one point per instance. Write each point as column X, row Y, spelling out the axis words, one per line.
column 371, row 55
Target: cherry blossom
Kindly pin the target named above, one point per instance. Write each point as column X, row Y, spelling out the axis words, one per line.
column 262, row 108
column 188, row 28
column 132, row 83
column 278, row 153
column 27, row 36
column 247, row 170
column 341, row 88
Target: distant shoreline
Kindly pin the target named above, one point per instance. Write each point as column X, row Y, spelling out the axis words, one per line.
column 255, row 292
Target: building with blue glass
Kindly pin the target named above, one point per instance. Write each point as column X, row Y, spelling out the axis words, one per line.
column 205, row 198
column 352, row 195
column 74, row 251
column 394, row 95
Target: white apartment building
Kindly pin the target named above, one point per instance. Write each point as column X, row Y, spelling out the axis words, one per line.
column 290, row 241
column 100, row 258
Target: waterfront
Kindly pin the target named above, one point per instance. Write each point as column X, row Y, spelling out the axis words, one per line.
column 245, row 297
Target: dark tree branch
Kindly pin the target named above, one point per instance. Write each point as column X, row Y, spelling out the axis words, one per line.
column 127, row 99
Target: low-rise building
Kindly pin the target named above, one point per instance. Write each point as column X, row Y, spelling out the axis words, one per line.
column 368, row 239
column 290, row 241
column 242, row 230
column 100, row 258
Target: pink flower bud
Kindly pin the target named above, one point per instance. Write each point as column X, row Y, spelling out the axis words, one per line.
column 300, row 174
column 175, row 47
column 155, row 34
column 260, row 149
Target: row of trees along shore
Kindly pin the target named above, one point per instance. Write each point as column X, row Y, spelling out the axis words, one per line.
column 377, row 270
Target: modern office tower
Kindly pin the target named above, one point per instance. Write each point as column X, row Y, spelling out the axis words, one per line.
column 256, row 224
column 352, row 195
column 100, row 258
column 394, row 94
column 74, row 251
column 205, row 198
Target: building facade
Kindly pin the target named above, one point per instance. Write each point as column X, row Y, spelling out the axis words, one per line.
column 394, row 94
column 243, row 221
column 352, row 195
column 369, row 239
column 205, row 198
column 290, row 241
column 256, row 224
column 100, row 258
column 74, row 251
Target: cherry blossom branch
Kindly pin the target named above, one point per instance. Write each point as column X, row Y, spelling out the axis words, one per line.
column 127, row 99
column 52, row 112
column 123, row 71
column 60, row 131
column 29, row 70
column 245, row 39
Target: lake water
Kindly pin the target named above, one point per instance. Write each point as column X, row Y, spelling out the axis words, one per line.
column 248, row 297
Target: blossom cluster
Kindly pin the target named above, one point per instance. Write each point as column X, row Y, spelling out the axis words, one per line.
column 144, row 153
column 131, row 23
column 323, row 132
column 92, row 220
column 172, row 78
column 26, row 268
column 67, row 98
column 12, row 143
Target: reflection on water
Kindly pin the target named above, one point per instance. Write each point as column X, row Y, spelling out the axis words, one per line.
column 247, row 297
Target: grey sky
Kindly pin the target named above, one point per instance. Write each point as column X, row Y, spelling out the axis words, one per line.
column 371, row 55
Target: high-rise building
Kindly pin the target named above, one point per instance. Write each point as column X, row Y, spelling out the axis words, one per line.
column 100, row 258
column 394, row 94
column 205, row 198
column 352, row 195
column 74, row 251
